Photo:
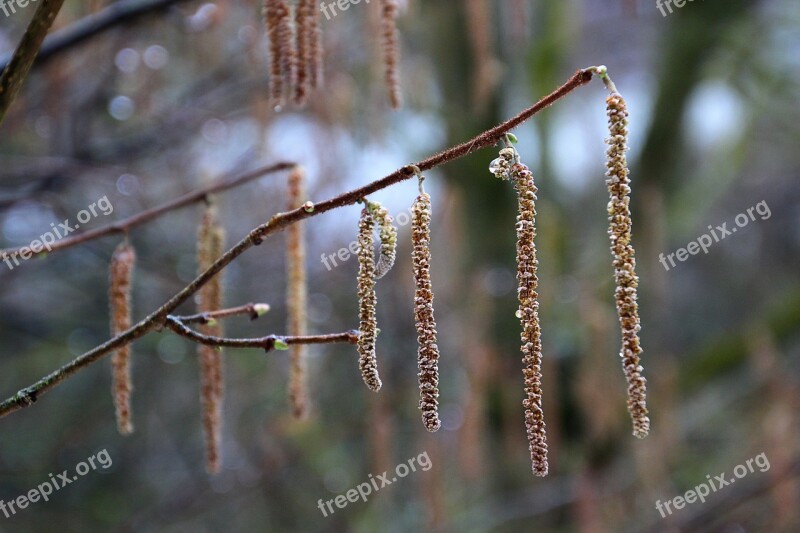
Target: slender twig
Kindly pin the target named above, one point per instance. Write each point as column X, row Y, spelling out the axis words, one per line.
column 252, row 310
column 265, row 343
column 118, row 13
column 123, row 226
column 157, row 318
column 16, row 70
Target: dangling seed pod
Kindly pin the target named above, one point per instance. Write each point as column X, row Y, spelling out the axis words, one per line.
column 528, row 311
column 428, row 350
column 367, row 300
column 210, row 246
column 391, row 51
column 121, row 275
column 296, row 295
column 282, row 52
column 619, row 231
column 307, row 33
column 388, row 237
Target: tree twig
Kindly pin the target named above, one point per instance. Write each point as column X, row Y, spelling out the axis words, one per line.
column 265, row 343
column 252, row 310
column 125, row 225
column 16, row 70
column 157, row 318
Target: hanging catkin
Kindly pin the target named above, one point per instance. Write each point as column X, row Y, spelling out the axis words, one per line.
column 210, row 246
column 282, row 52
column 308, row 61
column 391, row 51
column 367, row 300
column 619, row 231
column 428, row 350
column 121, row 275
column 528, row 311
column 296, row 295
column 388, row 237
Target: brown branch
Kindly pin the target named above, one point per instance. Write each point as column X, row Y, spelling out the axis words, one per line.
column 252, row 310
column 157, row 318
column 265, row 343
column 16, row 70
column 123, row 226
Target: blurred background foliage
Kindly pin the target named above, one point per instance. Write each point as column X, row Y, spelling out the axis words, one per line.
column 153, row 109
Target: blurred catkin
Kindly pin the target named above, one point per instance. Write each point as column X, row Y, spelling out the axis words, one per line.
column 367, row 300
column 282, row 51
column 296, row 295
column 528, row 312
column 428, row 350
column 388, row 237
column 306, row 24
column 619, row 231
column 391, row 51
column 480, row 39
column 210, row 246
column 121, row 276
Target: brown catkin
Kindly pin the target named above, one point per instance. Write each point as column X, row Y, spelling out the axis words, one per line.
column 121, row 276
column 619, row 231
column 296, row 295
column 388, row 237
column 367, row 300
column 528, row 313
column 316, row 66
column 391, row 51
column 428, row 350
column 307, row 33
column 210, row 246
column 282, row 51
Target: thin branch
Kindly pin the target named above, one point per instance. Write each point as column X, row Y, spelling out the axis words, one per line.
column 252, row 310
column 123, row 226
column 16, row 70
column 265, row 343
column 118, row 13
column 157, row 318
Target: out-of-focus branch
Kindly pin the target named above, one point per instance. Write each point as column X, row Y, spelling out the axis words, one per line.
column 125, row 225
column 16, row 69
column 118, row 13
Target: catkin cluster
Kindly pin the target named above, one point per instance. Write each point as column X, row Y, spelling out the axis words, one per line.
column 367, row 300
column 210, row 245
column 391, row 51
column 282, row 51
column 619, row 231
column 428, row 350
column 121, row 276
column 388, row 237
column 296, row 295
column 528, row 314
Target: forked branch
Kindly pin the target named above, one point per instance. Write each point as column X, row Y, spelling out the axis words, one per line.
column 159, row 317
